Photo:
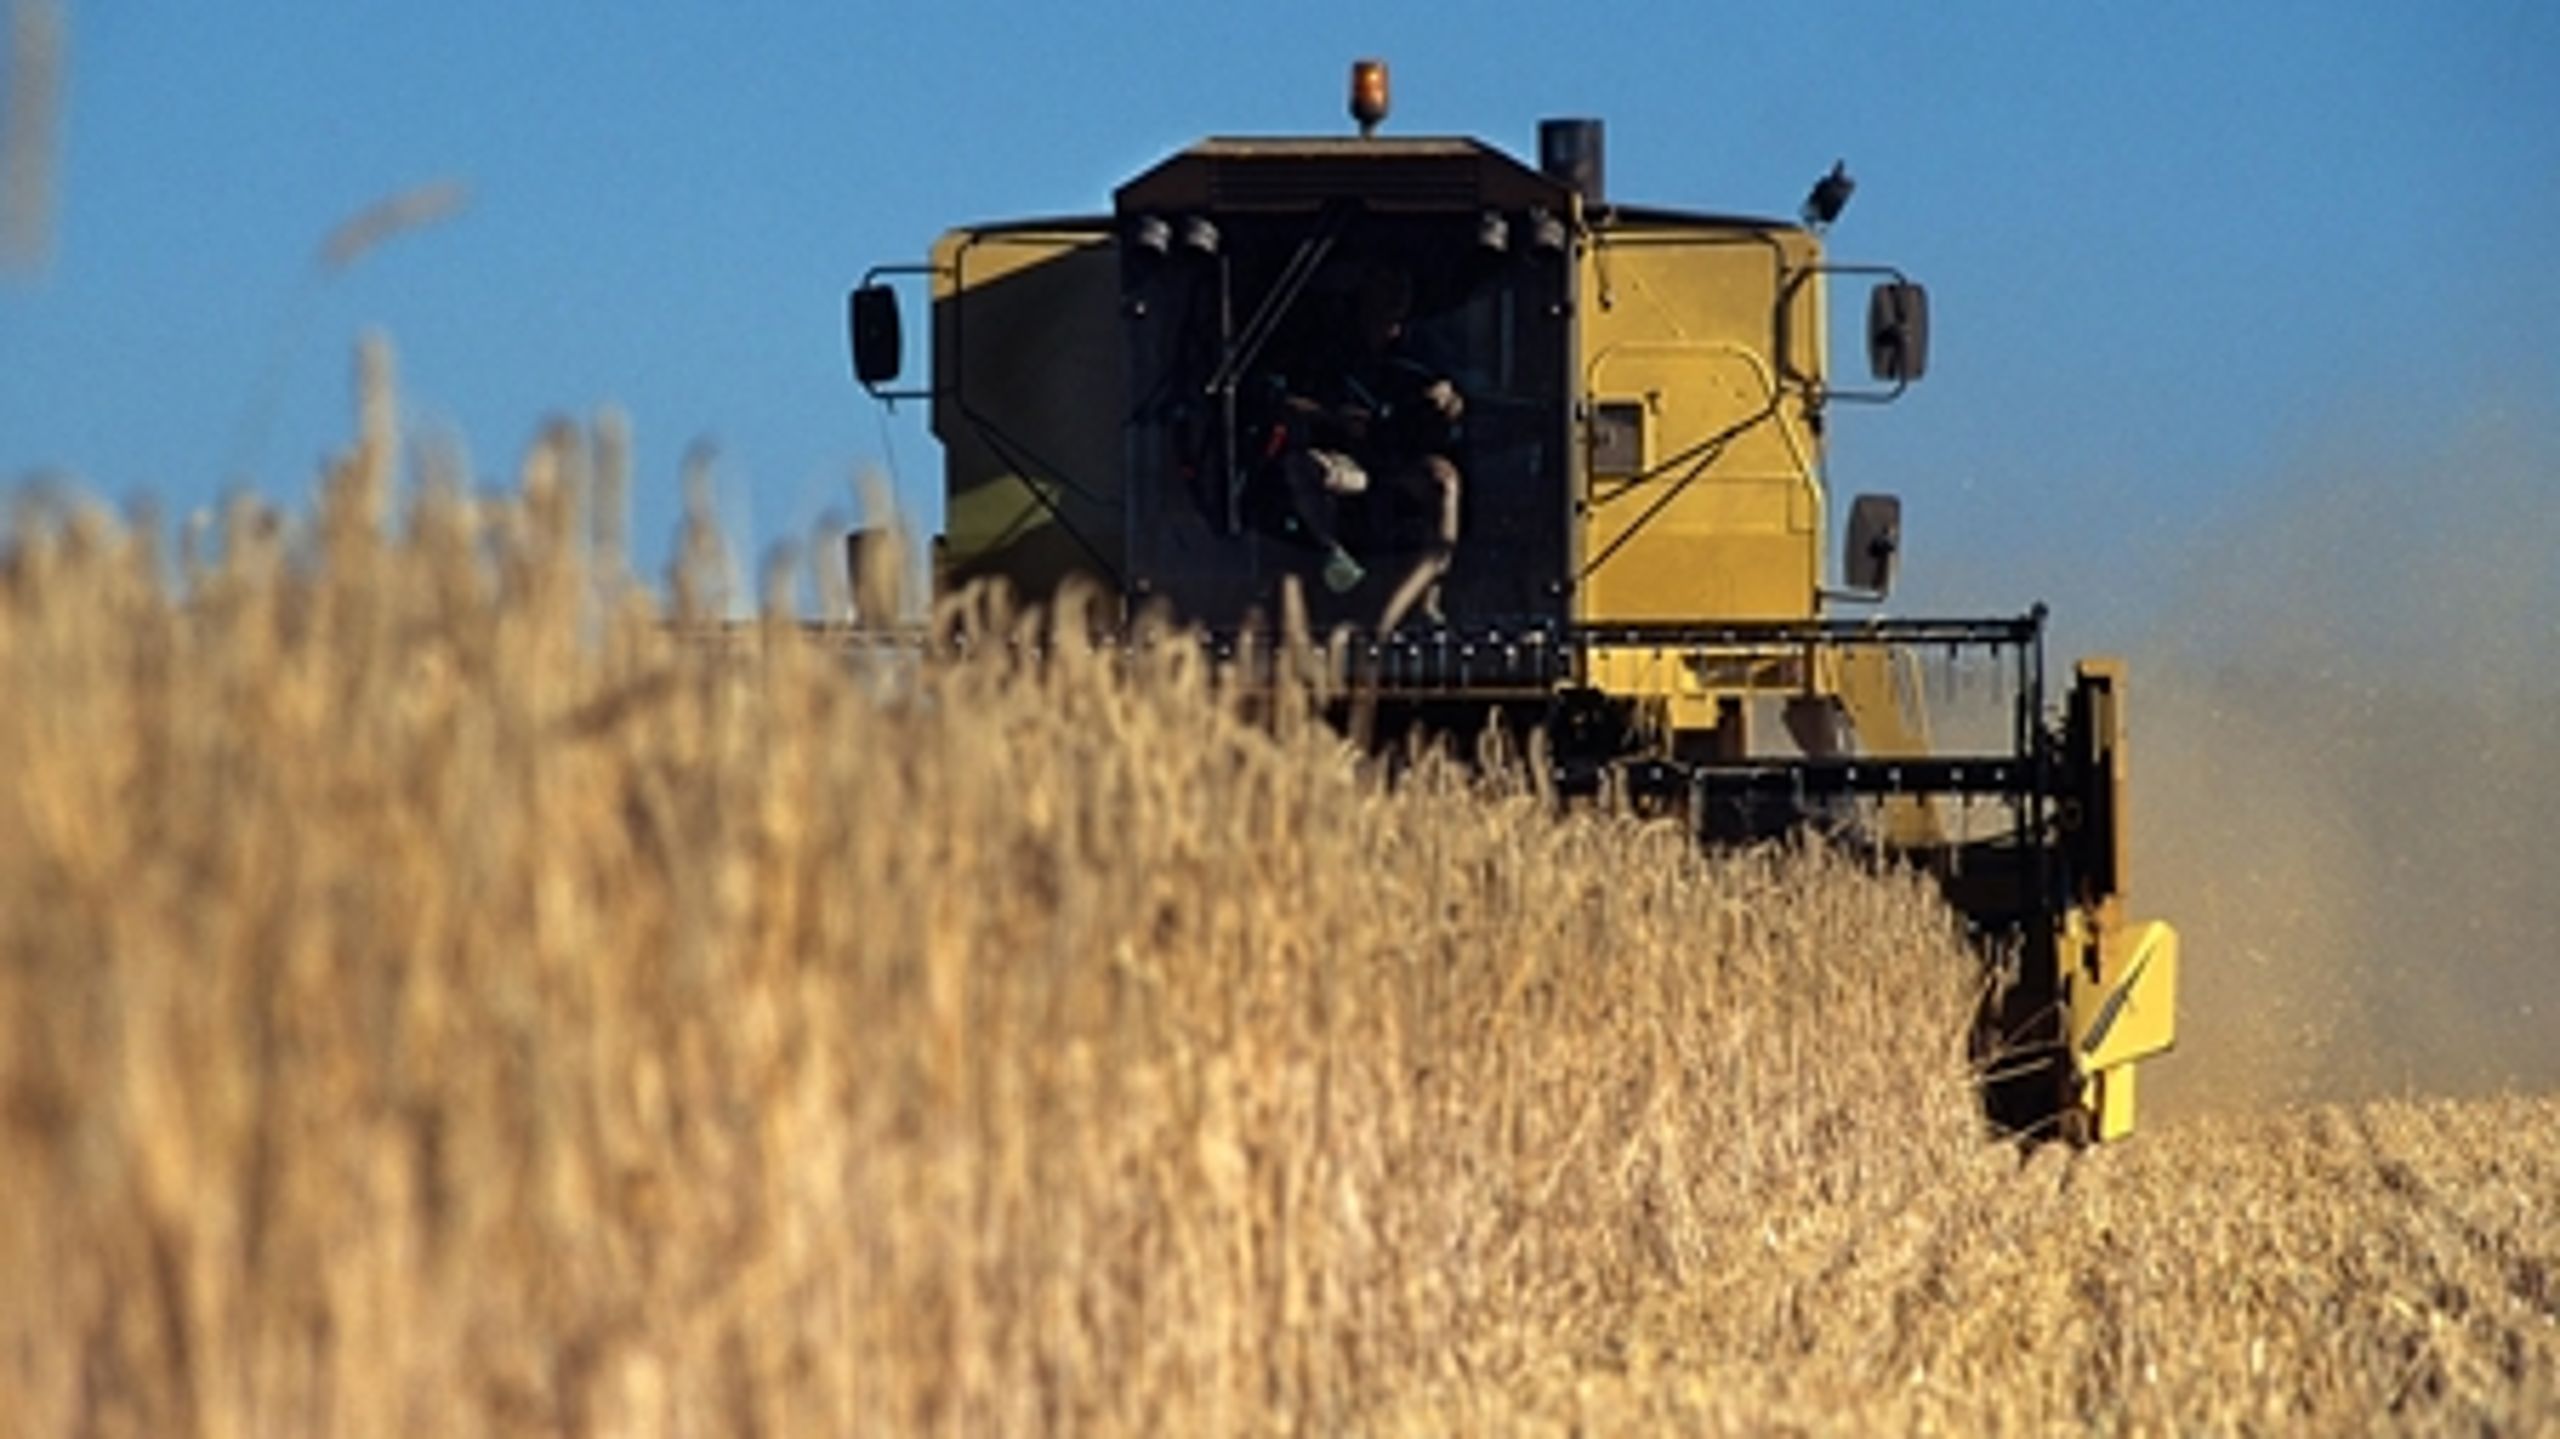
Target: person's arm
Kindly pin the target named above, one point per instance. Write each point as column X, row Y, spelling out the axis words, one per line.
column 1427, row 406
column 1333, row 426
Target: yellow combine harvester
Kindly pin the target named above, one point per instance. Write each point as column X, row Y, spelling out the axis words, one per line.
column 1555, row 463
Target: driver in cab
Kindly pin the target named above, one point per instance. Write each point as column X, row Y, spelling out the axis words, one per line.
column 1372, row 418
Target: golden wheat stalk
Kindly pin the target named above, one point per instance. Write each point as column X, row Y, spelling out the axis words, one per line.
column 30, row 125
column 433, row 1002
column 393, row 215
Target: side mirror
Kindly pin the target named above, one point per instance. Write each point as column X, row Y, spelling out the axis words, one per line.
column 1898, row 331
column 879, row 342
column 1875, row 542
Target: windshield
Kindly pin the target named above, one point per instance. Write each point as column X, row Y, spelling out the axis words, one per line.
column 1352, row 400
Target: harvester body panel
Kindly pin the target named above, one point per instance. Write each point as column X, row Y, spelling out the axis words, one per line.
column 1031, row 439
column 1715, row 508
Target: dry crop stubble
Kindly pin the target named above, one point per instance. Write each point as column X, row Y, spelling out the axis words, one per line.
column 438, row 999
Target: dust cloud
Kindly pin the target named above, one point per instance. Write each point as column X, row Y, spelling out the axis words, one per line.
column 2346, row 758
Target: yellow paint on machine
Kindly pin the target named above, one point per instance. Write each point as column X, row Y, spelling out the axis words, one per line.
column 1006, row 302
column 2125, row 1011
column 2120, row 976
column 1713, row 506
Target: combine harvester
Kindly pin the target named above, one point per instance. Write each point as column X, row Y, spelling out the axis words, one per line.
column 1287, row 371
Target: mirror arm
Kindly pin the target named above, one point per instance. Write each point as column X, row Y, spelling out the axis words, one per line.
column 869, row 278
column 1828, row 392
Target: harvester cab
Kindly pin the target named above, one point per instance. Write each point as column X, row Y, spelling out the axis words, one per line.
column 1555, row 463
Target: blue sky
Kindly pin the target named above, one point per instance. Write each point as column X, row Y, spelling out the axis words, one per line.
column 2183, row 257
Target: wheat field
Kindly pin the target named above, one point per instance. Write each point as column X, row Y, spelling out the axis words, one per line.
column 436, row 996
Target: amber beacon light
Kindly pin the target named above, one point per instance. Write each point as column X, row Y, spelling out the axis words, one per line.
column 1368, row 94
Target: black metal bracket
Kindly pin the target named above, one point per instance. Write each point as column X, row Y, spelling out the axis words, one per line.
column 871, row 277
column 1819, row 390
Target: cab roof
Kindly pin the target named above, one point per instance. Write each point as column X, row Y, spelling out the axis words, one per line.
column 1279, row 174
column 1308, row 172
